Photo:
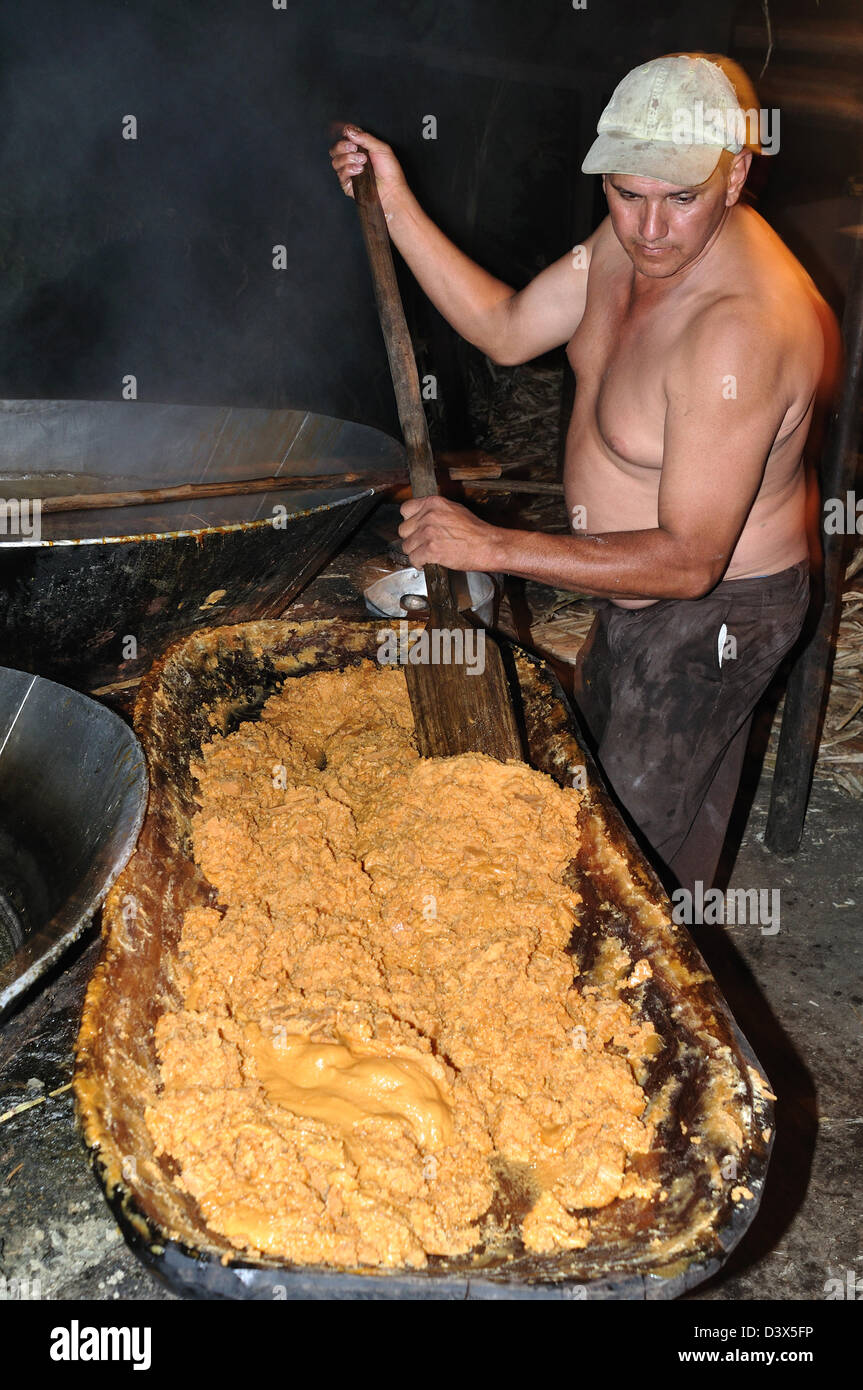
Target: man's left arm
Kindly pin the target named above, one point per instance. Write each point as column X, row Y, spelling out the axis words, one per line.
column 725, row 404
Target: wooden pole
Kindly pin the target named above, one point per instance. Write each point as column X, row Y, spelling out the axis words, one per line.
column 238, row 487
column 809, row 682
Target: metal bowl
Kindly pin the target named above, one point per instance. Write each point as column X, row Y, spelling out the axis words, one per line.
column 384, row 597
column 73, row 788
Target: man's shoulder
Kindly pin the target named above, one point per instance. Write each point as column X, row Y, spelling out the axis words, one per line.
column 739, row 338
column 771, row 288
column 731, row 314
column 724, row 338
column 762, row 302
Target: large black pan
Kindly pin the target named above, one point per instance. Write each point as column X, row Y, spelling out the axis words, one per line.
column 96, row 596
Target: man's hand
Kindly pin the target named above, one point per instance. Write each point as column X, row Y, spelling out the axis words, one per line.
column 437, row 531
column 348, row 159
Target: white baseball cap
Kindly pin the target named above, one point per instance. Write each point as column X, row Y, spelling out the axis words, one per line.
column 669, row 119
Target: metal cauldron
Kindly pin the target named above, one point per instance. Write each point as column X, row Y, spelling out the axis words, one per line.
column 73, row 789
column 96, row 597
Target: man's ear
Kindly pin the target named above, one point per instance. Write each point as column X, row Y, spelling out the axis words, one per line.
column 737, row 177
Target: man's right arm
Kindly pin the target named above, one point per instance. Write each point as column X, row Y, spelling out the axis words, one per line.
column 509, row 326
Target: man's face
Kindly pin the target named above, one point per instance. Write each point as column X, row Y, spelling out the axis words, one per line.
column 663, row 227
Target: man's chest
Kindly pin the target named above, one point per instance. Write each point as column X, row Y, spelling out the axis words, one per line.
column 620, row 354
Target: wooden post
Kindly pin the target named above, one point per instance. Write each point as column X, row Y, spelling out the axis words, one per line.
column 809, row 682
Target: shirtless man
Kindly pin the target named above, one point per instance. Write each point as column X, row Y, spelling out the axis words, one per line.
column 698, row 343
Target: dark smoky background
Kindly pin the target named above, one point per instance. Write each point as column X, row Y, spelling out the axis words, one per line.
column 154, row 256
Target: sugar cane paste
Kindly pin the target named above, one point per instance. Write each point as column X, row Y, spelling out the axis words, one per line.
column 379, row 1010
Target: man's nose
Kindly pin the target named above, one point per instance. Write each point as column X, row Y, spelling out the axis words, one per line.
column 653, row 224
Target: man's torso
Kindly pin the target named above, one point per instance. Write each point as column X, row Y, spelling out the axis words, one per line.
column 621, row 353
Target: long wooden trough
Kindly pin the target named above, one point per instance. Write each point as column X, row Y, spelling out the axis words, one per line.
column 705, row 1088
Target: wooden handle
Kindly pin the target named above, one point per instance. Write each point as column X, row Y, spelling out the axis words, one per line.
column 196, row 492
column 233, row 487
column 400, row 352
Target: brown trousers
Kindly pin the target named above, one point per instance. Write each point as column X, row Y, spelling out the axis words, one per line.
column 668, row 693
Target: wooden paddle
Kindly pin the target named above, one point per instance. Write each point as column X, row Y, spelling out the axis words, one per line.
column 457, row 707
